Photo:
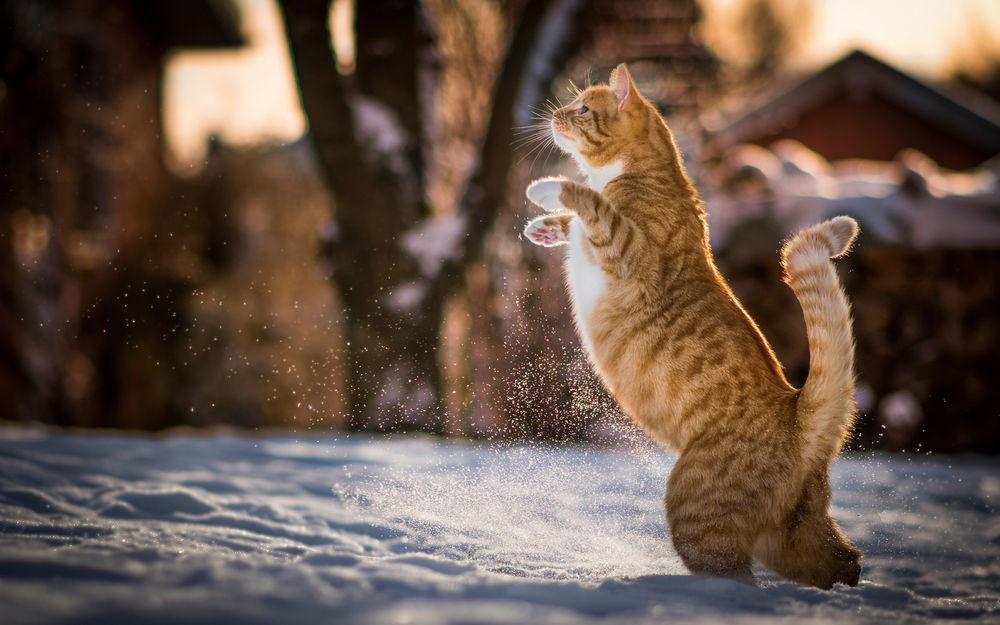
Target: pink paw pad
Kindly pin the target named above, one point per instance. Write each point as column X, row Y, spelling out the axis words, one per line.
column 546, row 235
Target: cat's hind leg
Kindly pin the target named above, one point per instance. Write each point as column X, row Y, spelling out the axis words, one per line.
column 550, row 230
column 713, row 531
column 808, row 547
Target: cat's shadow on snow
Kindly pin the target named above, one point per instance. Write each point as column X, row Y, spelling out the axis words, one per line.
column 647, row 591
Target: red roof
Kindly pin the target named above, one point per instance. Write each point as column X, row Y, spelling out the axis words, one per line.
column 860, row 107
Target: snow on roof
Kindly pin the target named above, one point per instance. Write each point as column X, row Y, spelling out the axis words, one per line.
column 973, row 120
column 908, row 202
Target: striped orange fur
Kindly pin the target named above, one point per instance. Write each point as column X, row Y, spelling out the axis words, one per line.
column 686, row 361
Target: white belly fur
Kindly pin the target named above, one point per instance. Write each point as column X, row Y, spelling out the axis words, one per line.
column 586, row 282
column 585, row 277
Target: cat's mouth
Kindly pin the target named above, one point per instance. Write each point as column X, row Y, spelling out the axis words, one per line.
column 565, row 143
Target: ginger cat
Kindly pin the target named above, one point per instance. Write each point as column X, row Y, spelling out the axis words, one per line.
column 686, row 361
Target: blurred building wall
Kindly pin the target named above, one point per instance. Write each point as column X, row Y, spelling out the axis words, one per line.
column 89, row 253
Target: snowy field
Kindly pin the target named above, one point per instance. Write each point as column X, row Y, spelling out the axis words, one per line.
column 281, row 529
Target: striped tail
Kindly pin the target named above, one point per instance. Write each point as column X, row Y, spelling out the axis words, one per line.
column 826, row 401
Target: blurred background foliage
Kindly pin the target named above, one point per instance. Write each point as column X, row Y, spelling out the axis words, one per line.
column 306, row 214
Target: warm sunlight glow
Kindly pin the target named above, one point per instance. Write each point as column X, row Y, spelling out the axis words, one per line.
column 920, row 36
column 249, row 95
column 342, row 27
column 242, row 96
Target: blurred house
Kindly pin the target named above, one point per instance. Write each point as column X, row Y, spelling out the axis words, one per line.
column 860, row 107
column 862, row 139
column 93, row 246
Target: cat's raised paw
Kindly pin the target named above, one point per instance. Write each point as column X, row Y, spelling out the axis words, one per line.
column 548, row 231
column 545, row 193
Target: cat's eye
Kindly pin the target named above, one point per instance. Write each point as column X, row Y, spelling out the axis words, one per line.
column 583, row 109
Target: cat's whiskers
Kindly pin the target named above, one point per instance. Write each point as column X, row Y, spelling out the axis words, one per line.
column 540, row 145
column 536, row 137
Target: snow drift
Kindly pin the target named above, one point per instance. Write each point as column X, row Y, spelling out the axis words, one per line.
column 282, row 529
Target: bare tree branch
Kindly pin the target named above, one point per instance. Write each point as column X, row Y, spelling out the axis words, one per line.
column 394, row 263
column 391, row 37
column 544, row 39
column 320, row 88
column 376, row 197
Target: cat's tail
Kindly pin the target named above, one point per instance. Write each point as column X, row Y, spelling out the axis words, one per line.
column 826, row 401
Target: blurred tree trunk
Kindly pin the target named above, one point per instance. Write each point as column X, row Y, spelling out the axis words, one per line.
column 82, row 203
column 395, row 260
column 36, row 201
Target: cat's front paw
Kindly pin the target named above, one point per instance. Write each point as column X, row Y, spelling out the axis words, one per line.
column 546, row 192
column 549, row 231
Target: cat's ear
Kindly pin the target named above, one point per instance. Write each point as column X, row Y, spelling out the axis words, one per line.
column 621, row 84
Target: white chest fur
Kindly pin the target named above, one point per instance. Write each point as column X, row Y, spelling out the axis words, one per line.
column 599, row 177
column 586, row 279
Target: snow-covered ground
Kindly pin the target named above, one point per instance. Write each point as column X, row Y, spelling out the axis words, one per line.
column 98, row 528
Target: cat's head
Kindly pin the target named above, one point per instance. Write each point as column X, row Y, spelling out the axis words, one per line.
column 602, row 121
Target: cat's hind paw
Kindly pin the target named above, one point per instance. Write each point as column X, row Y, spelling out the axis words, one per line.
column 546, row 192
column 549, row 231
